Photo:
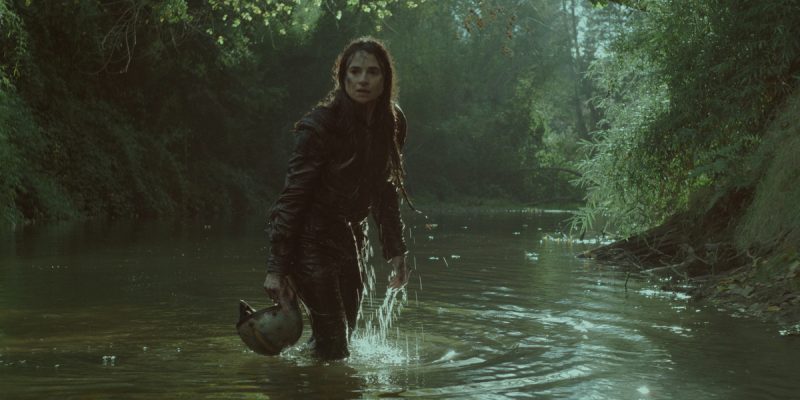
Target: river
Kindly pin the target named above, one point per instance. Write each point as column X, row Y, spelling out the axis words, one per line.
column 498, row 307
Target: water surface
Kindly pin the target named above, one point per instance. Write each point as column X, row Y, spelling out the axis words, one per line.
column 495, row 309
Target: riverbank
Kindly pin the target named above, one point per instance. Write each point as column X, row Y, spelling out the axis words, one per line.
column 768, row 289
column 739, row 244
column 762, row 285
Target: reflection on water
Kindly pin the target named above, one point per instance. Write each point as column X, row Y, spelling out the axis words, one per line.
column 494, row 310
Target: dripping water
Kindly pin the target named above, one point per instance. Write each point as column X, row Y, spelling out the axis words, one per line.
column 374, row 338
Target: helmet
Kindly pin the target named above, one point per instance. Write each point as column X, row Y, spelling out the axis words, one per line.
column 269, row 330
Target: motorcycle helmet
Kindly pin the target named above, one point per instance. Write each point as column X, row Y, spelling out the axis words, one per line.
column 270, row 330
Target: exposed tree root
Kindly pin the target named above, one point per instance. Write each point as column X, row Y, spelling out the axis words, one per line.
column 688, row 244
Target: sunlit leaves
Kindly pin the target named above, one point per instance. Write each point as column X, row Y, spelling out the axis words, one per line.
column 296, row 16
column 172, row 12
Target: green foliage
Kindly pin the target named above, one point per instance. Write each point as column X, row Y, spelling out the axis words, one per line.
column 235, row 26
column 13, row 45
column 774, row 217
column 26, row 191
column 620, row 191
column 9, row 158
column 142, row 108
column 172, row 12
column 476, row 89
column 688, row 90
column 128, row 109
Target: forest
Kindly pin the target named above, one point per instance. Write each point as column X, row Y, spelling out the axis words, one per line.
column 646, row 116
column 149, row 109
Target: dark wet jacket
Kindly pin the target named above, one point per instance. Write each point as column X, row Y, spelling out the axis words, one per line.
column 333, row 181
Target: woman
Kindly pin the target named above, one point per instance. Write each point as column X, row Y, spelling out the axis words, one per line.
column 346, row 163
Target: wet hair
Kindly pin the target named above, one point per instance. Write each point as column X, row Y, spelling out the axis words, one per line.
column 385, row 114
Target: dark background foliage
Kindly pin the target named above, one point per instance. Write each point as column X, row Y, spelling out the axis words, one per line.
column 142, row 108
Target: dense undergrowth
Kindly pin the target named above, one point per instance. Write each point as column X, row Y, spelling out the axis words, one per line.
column 689, row 90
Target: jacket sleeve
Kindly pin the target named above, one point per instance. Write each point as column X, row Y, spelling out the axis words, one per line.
column 386, row 213
column 386, row 208
column 288, row 214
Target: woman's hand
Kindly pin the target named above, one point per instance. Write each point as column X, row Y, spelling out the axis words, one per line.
column 278, row 289
column 400, row 272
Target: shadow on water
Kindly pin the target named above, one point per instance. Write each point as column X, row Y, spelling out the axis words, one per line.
column 494, row 310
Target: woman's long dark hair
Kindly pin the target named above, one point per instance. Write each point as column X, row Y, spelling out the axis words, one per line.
column 384, row 114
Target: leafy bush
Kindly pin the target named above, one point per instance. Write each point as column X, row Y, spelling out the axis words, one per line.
column 9, row 159
column 774, row 216
column 689, row 90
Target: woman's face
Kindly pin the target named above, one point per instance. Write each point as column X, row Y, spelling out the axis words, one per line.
column 364, row 80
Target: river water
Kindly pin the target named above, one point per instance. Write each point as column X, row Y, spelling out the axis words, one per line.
column 496, row 309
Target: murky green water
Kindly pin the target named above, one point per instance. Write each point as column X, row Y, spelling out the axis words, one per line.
column 493, row 311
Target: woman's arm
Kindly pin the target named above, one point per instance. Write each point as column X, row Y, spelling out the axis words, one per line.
column 288, row 214
column 386, row 212
column 390, row 232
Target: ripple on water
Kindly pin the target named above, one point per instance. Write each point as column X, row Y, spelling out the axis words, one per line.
column 492, row 323
column 490, row 388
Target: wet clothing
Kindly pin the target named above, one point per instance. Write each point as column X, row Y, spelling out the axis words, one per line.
column 317, row 225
